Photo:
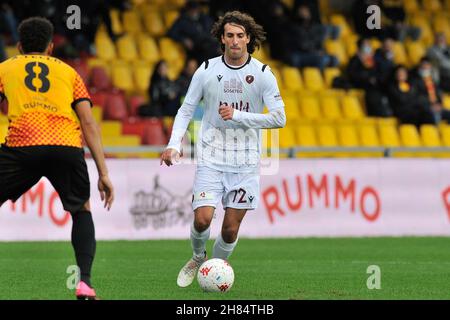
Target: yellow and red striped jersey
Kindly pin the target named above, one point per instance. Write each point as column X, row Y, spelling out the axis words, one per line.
column 41, row 92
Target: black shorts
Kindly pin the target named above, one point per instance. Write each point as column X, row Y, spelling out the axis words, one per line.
column 65, row 167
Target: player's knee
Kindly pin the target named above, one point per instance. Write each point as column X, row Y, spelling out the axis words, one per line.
column 230, row 233
column 201, row 224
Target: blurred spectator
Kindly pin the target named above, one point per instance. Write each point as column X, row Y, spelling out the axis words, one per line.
column 279, row 32
column 428, row 88
column 306, row 49
column 384, row 61
column 313, row 6
column 405, row 101
column 163, row 94
column 439, row 54
column 192, row 29
column 185, row 77
column 363, row 74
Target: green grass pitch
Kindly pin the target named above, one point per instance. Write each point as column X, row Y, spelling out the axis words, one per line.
column 310, row 268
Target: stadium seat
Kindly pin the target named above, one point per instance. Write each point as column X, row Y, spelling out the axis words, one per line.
column 148, row 49
column 313, row 79
column 97, row 62
column 330, row 108
column 431, row 5
column 352, row 108
column 121, row 76
column 409, row 137
column 154, row 132
column 310, row 108
column 131, row 22
column 287, row 138
column 115, row 107
column 99, row 79
column 389, row 136
column 347, row 137
column 292, row 78
column 400, row 56
column 327, row 137
column 154, row 23
column 116, row 23
column 341, row 21
column 330, row 74
column 430, row 138
column 134, row 102
column 336, row 48
column 126, row 48
column 306, row 137
column 169, row 17
column 105, row 47
column 292, row 110
column 351, row 47
column 421, row 21
column 411, row 6
column 172, row 52
column 122, row 141
column 98, row 98
column 111, row 128
column 134, row 126
column 416, row 51
column 142, row 72
column 81, row 67
column 97, row 113
column 368, row 137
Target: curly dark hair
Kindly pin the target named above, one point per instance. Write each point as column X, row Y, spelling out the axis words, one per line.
column 254, row 30
column 35, row 34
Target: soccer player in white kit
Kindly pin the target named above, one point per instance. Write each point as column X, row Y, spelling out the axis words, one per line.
column 234, row 88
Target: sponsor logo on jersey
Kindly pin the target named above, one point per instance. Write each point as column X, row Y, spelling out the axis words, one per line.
column 219, row 77
column 232, row 86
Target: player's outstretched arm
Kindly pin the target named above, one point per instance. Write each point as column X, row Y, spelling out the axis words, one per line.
column 92, row 136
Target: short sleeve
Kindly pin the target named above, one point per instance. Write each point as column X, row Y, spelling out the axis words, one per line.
column 80, row 92
column 271, row 93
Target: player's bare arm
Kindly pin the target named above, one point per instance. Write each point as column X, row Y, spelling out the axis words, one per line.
column 92, row 136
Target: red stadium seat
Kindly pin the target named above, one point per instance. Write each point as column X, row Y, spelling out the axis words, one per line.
column 134, row 102
column 134, row 126
column 115, row 106
column 100, row 79
column 98, row 97
column 154, row 132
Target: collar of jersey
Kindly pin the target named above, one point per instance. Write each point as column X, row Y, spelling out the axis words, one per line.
column 237, row 68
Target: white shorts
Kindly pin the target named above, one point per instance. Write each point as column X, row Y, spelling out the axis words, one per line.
column 236, row 190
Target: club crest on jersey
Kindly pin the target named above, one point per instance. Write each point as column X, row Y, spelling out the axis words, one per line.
column 249, row 79
column 219, row 77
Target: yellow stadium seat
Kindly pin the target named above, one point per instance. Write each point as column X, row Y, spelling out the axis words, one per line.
column 352, row 108
column 121, row 76
column 341, row 21
column 126, row 48
column 330, row 108
column 416, row 51
column 116, row 24
column 313, row 79
column 310, row 108
column 105, row 47
column 174, row 54
column 148, row 49
column 287, row 138
column 430, row 135
column 122, row 141
column 368, row 137
column 446, row 101
column 111, row 128
column 327, row 137
column 142, row 71
column 97, row 113
column 154, row 23
column 96, row 62
column 131, row 22
column 170, row 16
column 445, row 133
column 389, row 136
column 330, row 74
column 292, row 78
column 409, row 137
column 431, row 5
column 351, row 46
column 336, row 48
column 306, row 137
column 411, row 6
column 347, row 137
column 400, row 56
column 422, row 21
column 292, row 110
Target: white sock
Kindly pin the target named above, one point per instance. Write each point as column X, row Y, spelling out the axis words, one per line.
column 222, row 249
column 198, row 241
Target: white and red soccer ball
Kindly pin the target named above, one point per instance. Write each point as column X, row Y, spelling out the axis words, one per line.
column 215, row 275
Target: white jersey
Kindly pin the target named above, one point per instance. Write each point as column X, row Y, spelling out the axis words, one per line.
column 232, row 145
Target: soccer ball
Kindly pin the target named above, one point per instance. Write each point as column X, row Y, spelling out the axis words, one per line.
column 215, row 275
